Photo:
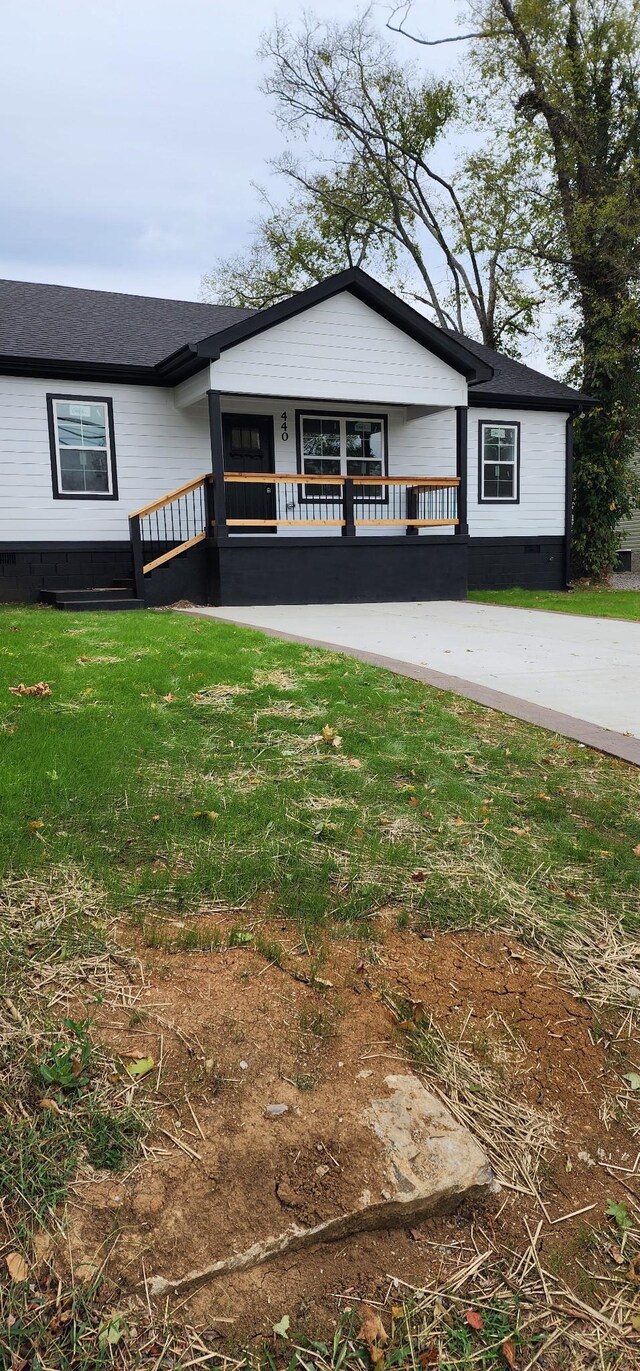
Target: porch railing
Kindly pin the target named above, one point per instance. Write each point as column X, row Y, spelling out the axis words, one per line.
column 171, row 525
column 346, row 502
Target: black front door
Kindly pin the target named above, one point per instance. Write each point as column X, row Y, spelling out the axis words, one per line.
column 248, row 448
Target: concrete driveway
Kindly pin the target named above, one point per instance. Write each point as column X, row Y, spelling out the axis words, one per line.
column 578, row 676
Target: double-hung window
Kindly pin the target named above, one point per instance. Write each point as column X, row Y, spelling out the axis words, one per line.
column 341, row 446
column 499, row 475
column 82, row 449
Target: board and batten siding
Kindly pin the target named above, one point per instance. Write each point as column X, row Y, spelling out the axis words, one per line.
column 157, row 448
column 541, row 509
column 337, row 350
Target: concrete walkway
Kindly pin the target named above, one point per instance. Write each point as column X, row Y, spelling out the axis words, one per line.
column 578, row 676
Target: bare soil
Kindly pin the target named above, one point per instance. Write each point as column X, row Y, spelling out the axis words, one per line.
column 232, row 1034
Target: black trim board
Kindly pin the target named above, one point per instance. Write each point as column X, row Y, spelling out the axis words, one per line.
column 504, row 400
column 111, row 449
column 371, row 293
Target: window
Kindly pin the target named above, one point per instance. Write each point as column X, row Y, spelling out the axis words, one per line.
column 82, row 451
column 345, row 446
column 499, row 475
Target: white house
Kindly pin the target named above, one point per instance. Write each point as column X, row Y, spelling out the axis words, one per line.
column 335, row 447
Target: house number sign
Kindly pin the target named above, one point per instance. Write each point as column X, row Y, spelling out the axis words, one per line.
column 284, row 431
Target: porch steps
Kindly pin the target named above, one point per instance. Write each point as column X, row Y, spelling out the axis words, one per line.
column 95, row 598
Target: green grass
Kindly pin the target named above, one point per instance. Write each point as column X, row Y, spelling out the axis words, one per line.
column 603, row 602
column 169, row 791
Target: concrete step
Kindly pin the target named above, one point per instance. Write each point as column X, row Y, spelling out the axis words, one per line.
column 112, row 602
column 57, row 597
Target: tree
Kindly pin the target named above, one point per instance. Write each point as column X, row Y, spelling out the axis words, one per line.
column 379, row 195
column 563, row 78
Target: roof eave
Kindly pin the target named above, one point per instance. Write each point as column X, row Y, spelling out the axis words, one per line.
column 570, row 404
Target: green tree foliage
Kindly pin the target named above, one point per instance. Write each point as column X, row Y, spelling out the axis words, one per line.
column 559, row 80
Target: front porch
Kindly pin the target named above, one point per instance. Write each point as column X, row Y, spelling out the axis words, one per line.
column 344, row 525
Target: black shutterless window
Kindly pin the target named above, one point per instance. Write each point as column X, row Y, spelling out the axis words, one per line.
column 82, row 447
column 499, row 463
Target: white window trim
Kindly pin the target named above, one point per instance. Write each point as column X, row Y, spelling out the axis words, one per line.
column 108, row 448
column 514, row 498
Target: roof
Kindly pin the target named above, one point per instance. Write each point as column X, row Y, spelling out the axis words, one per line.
column 511, row 378
column 67, row 331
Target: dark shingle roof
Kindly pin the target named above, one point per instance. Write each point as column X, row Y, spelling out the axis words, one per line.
column 514, row 378
column 75, row 325
column 103, row 328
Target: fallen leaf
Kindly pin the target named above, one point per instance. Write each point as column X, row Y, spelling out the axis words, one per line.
column 430, row 1357
column 140, row 1067
column 168, row 699
column 336, row 742
column 635, row 1323
column 509, row 1352
column 520, row 832
column 50, row 1104
column 359, row 833
column 372, row 1333
column 353, row 761
column 634, row 1269
column 458, row 822
column 474, row 1320
column 415, row 1234
column 17, row 1266
column 328, row 734
column 35, row 825
column 41, row 690
column 633, row 1078
column 414, row 802
column 281, row 1329
column 616, row 1255
column 636, row 851
column 205, row 815
column 419, row 875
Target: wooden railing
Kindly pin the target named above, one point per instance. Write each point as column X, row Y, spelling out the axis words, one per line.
column 167, row 527
column 346, row 502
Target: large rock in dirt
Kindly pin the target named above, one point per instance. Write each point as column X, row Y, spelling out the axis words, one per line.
column 431, row 1164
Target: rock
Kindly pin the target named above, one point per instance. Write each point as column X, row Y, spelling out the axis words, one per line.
column 431, row 1164
column 275, row 1111
column 287, row 1195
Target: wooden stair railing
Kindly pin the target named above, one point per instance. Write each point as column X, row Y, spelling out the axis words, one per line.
column 167, row 527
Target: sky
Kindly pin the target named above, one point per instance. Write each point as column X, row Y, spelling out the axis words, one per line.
column 133, row 131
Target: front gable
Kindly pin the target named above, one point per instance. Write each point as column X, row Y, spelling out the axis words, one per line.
column 339, row 348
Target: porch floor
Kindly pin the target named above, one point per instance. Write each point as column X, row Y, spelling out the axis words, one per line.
column 578, row 677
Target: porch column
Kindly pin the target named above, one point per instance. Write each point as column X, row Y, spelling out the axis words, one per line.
column 462, row 466
column 217, row 464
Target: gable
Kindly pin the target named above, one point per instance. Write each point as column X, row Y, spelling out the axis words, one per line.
column 339, row 349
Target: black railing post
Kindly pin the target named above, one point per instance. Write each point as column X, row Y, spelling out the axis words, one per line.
column 412, row 510
column 462, row 463
column 209, row 512
column 349, row 525
column 217, row 464
column 136, row 556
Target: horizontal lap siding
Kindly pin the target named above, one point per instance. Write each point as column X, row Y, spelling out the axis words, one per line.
column 541, row 510
column 337, row 350
column 630, row 529
column 157, row 448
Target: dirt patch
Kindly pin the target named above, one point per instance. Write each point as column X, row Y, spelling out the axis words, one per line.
column 233, row 1034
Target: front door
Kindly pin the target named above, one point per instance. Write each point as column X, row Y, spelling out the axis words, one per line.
column 248, row 448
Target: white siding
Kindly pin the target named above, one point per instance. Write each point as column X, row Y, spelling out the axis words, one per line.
column 157, row 448
column 542, row 477
column 337, row 350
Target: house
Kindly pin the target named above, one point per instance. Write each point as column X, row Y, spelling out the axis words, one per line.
column 629, row 555
column 334, row 447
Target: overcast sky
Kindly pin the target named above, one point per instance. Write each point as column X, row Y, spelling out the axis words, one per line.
column 132, row 131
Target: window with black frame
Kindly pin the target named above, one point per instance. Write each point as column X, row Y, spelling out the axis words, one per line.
column 82, row 455
column 499, row 462
column 341, row 446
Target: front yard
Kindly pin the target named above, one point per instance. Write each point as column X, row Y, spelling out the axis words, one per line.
column 253, row 866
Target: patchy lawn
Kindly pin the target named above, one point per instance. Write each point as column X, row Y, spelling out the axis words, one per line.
column 604, row 603
column 269, row 873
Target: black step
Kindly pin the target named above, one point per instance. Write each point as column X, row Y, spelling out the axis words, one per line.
column 93, row 597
